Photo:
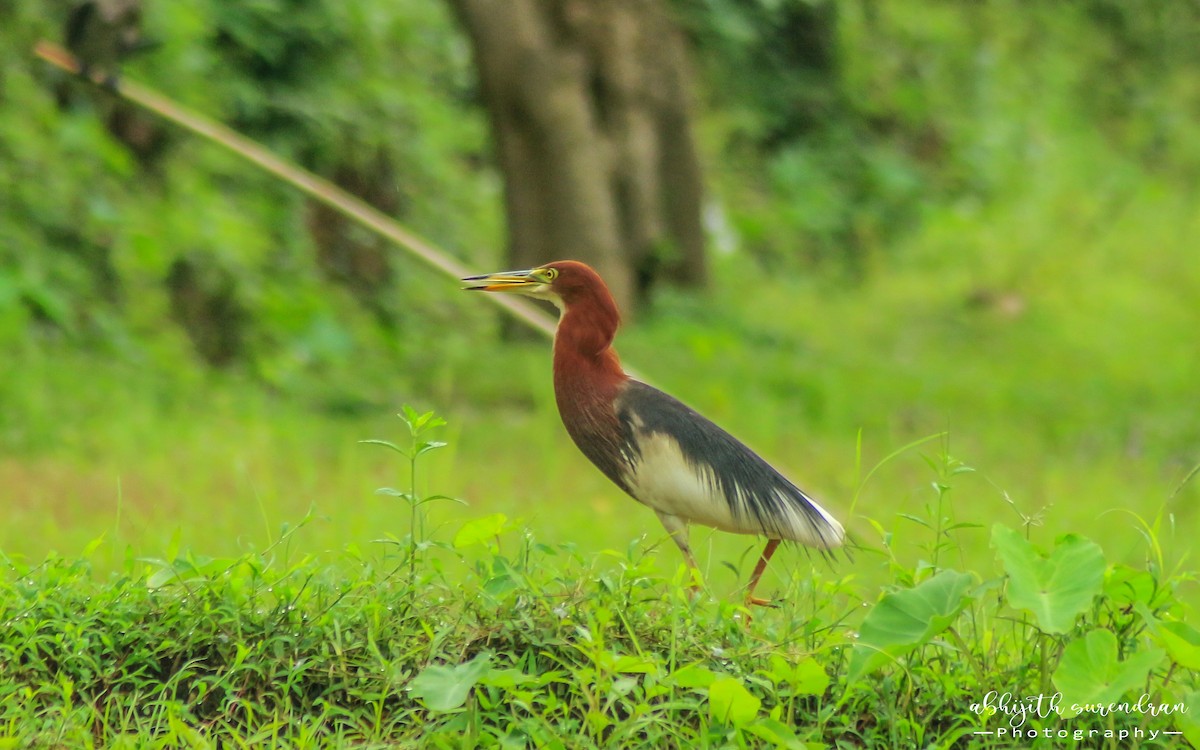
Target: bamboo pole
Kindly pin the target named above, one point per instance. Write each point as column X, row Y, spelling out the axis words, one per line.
column 302, row 179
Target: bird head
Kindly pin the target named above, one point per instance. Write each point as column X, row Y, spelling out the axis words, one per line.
column 563, row 282
column 590, row 317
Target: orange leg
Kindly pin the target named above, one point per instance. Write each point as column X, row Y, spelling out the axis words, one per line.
column 769, row 550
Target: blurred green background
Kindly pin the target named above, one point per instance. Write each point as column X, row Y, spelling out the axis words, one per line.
column 976, row 218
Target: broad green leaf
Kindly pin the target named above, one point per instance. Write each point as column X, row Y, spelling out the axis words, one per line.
column 1057, row 587
column 730, row 703
column 1186, row 721
column 481, row 531
column 1089, row 671
column 597, row 721
column 635, row 664
column 774, row 731
column 1181, row 640
column 506, row 678
column 806, row 677
column 1126, row 585
column 499, row 585
column 810, row 678
column 445, row 688
column 693, row 676
column 903, row 620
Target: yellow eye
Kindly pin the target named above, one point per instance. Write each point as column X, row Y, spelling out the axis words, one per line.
column 551, row 274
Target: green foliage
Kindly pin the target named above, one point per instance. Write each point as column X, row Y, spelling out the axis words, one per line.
column 904, row 620
column 445, row 688
column 419, row 425
column 1013, row 185
column 842, row 128
column 1057, row 588
column 371, row 95
column 729, row 702
column 272, row 648
column 1089, row 671
column 1181, row 640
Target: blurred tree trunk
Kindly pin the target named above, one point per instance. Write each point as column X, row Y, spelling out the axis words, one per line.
column 346, row 254
column 102, row 34
column 205, row 301
column 591, row 117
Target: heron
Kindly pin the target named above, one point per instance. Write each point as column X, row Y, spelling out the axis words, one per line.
column 656, row 449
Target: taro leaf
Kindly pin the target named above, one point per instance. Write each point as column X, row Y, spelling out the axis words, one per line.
column 445, row 688
column 730, row 703
column 1181, row 640
column 1089, row 671
column 1056, row 588
column 903, row 620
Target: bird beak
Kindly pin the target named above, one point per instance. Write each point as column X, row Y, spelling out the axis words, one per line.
column 505, row 281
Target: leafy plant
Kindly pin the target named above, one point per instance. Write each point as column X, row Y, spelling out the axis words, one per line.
column 416, row 542
column 1056, row 588
column 906, row 619
column 531, row 644
column 1090, row 671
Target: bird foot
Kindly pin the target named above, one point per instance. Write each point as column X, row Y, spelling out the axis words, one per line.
column 752, row 601
column 747, row 616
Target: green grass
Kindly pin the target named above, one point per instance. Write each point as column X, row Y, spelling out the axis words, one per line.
column 1055, row 363
column 488, row 637
column 237, row 463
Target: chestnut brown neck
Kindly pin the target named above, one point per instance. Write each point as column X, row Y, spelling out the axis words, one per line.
column 587, row 382
column 588, row 379
column 584, row 359
column 587, row 372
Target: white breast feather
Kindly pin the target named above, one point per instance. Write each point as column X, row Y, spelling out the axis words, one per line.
column 663, row 479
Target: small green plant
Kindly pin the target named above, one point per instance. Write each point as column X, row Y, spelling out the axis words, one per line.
column 419, row 426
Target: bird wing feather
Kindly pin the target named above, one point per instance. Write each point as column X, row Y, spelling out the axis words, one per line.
column 680, row 463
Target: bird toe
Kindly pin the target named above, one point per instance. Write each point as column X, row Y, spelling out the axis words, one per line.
column 755, row 601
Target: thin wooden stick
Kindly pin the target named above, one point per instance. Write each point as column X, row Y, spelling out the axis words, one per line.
column 305, row 181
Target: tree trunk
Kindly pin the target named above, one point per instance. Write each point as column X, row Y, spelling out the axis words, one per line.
column 590, row 109
column 357, row 260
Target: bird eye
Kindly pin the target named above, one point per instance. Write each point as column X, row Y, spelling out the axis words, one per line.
column 551, row 274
